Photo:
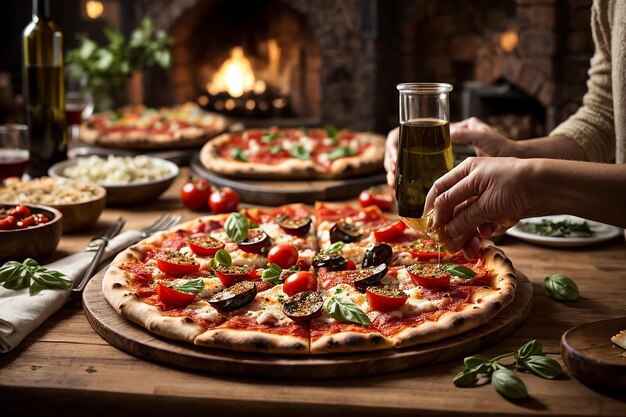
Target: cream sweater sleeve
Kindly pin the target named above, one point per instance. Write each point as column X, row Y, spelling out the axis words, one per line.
column 592, row 126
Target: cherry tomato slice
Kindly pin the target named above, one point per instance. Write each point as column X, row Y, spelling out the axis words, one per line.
column 224, row 200
column 384, row 298
column 299, row 282
column 8, row 223
column 376, row 196
column 425, row 250
column 195, row 193
column 283, row 255
column 173, row 298
column 390, row 233
column 429, row 276
column 350, row 265
column 230, row 275
column 176, row 264
column 204, row 245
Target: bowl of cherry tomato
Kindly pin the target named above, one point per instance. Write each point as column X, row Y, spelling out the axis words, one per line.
column 29, row 231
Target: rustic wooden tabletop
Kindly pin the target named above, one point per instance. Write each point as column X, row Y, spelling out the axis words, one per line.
column 65, row 368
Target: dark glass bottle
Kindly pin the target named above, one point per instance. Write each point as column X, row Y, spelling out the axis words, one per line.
column 44, row 91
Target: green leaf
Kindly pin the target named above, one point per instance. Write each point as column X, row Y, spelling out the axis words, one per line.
column 237, row 226
column 191, row 287
column 561, row 288
column 542, row 366
column 52, row 279
column 475, row 361
column 563, row 228
column 508, row 384
column 275, row 149
column 331, row 131
column 269, row 137
column 340, row 152
column 300, row 152
column 35, row 289
column 345, row 310
column 221, row 258
column 465, row 378
column 459, row 270
column 335, row 247
column 239, row 154
column 530, row 348
column 272, row 274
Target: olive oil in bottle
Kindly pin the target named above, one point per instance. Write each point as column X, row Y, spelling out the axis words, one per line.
column 44, row 90
column 424, row 155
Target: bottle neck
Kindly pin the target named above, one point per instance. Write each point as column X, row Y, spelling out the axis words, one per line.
column 41, row 9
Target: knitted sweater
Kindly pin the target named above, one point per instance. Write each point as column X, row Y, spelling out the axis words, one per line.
column 599, row 126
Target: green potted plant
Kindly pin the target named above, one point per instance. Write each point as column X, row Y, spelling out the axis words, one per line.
column 114, row 71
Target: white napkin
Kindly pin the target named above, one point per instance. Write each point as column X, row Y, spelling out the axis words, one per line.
column 21, row 313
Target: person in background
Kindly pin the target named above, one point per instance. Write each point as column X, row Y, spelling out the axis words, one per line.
column 570, row 171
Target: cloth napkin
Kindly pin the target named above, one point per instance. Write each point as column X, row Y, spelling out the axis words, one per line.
column 21, row 313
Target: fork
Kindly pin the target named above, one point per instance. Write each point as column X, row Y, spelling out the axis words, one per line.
column 162, row 223
column 98, row 244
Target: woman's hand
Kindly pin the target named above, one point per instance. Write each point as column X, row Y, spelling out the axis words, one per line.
column 391, row 156
column 478, row 196
column 487, row 140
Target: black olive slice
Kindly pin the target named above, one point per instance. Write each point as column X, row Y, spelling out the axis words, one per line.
column 303, row 306
column 369, row 276
column 294, row 227
column 332, row 262
column 234, row 297
column 343, row 231
column 380, row 253
column 256, row 241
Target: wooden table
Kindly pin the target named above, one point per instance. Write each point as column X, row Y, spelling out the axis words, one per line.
column 65, row 368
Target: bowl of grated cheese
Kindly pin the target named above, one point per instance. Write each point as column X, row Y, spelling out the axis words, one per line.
column 128, row 180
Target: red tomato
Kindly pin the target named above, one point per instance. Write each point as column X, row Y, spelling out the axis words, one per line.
column 390, row 233
column 224, row 200
column 429, row 276
column 425, row 250
column 383, row 298
column 173, row 298
column 176, row 264
column 283, row 255
column 19, row 212
column 376, row 196
column 204, row 245
column 231, row 275
column 195, row 193
column 8, row 223
column 299, row 282
column 350, row 265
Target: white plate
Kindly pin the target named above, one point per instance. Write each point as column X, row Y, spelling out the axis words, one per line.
column 602, row 232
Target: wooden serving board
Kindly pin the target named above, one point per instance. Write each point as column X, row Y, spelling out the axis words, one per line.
column 590, row 355
column 276, row 193
column 138, row 341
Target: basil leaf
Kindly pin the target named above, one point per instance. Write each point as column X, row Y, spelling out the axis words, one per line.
column 221, row 258
column 335, row 247
column 332, row 132
column 268, row 137
column 340, row 152
column 238, row 154
column 542, row 366
column 35, row 289
column 459, row 270
column 237, row 226
column 191, row 287
column 465, row 378
column 533, row 347
column 15, row 276
column 475, row 361
column 272, row 274
column 300, row 152
column 345, row 310
column 563, row 228
column 52, row 279
column 508, row 384
column 275, row 149
column 561, row 288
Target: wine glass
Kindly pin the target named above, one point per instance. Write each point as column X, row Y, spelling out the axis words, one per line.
column 14, row 154
column 424, row 149
column 78, row 106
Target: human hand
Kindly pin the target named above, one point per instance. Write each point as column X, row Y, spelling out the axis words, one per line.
column 480, row 195
column 486, row 139
column 391, row 156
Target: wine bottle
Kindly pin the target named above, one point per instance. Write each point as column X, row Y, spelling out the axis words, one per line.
column 44, row 91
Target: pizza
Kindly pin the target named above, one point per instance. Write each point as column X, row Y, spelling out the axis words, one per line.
column 296, row 280
column 142, row 127
column 294, row 153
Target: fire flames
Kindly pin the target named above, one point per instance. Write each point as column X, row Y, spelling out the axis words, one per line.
column 235, row 76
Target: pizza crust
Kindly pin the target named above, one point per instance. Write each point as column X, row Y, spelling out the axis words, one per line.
column 350, row 341
column 365, row 163
column 253, row 341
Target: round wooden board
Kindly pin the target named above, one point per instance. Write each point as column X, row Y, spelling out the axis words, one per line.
column 134, row 339
column 590, row 355
column 276, row 193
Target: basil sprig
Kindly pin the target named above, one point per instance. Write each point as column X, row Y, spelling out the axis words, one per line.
column 237, row 226
column 459, row 270
column 561, row 287
column 340, row 152
column 221, row 258
column 503, row 378
column 29, row 274
column 238, row 154
column 273, row 274
column 345, row 310
column 191, row 287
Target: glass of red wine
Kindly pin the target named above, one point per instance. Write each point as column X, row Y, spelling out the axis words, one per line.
column 14, row 153
column 78, row 106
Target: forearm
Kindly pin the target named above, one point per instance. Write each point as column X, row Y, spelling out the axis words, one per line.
column 556, row 147
column 591, row 190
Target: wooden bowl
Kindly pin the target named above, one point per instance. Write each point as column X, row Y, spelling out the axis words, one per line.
column 37, row 242
column 83, row 215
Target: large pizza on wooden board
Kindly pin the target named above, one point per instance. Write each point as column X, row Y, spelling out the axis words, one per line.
column 141, row 127
column 294, row 154
column 296, row 281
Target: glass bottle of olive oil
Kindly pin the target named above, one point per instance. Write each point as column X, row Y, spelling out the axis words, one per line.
column 44, row 90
